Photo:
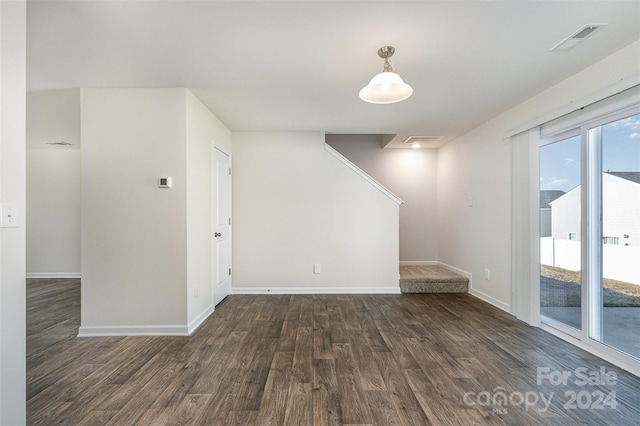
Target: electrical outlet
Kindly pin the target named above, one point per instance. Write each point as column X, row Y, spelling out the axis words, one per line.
column 195, row 292
column 487, row 274
column 8, row 215
column 316, row 268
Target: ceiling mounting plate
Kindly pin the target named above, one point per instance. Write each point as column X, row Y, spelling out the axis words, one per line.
column 386, row 52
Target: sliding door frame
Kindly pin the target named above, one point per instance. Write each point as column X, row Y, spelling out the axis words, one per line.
column 589, row 126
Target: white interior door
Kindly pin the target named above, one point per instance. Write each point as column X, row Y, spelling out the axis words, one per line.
column 221, row 225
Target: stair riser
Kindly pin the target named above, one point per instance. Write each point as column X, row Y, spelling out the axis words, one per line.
column 434, row 287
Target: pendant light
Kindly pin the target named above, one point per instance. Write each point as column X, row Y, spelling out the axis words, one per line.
column 386, row 87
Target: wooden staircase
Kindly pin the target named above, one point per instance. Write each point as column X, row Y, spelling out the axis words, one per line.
column 431, row 279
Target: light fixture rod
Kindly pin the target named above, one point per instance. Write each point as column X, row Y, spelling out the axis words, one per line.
column 387, row 66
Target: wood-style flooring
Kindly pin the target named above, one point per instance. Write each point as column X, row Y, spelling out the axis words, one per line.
column 410, row 359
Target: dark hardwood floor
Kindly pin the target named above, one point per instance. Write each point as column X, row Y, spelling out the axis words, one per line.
column 411, row 359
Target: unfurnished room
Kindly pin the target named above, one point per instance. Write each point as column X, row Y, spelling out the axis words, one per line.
column 319, row 212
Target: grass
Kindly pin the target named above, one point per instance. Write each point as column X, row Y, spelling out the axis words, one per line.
column 561, row 287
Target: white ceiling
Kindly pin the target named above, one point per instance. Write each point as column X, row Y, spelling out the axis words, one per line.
column 299, row 65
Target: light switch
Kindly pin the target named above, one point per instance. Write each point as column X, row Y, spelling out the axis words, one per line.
column 9, row 215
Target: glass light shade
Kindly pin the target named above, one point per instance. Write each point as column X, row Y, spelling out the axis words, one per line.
column 386, row 88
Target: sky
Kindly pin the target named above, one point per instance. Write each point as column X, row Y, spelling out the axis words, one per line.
column 560, row 161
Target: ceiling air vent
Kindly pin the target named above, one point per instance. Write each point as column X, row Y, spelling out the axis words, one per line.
column 582, row 33
column 422, row 139
column 59, row 143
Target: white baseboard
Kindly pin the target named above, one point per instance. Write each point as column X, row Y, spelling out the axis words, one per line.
column 418, row 263
column 197, row 321
column 490, row 300
column 133, row 330
column 316, row 290
column 457, row 271
column 54, row 275
column 472, row 291
column 146, row 330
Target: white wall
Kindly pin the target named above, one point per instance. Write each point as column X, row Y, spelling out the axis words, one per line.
column 134, row 239
column 565, row 215
column 474, row 209
column 145, row 249
column 411, row 174
column 477, row 165
column 53, row 184
column 204, row 131
column 53, row 116
column 295, row 205
column 53, row 212
column 12, row 189
column 621, row 209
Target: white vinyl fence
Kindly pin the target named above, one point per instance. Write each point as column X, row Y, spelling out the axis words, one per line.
column 620, row 263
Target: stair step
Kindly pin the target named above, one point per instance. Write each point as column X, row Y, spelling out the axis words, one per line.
column 431, row 279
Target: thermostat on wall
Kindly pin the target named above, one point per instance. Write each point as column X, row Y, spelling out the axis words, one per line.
column 164, row 182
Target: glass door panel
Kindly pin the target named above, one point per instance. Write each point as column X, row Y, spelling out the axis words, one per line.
column 560, row 232
column 616, row 290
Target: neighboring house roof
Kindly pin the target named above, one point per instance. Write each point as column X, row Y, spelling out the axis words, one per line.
column 632, row 176
column 549, row 195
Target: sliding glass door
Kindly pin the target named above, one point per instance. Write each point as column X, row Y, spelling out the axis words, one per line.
column 560, row 232
column 590, row 232
column 614, row 290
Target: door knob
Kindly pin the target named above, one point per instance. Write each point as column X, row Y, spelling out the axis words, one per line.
column 217, row 234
